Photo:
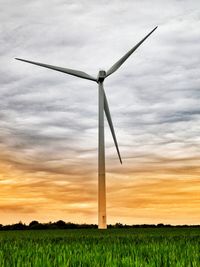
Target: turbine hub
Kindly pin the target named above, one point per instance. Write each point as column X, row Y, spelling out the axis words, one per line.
column 101, row 76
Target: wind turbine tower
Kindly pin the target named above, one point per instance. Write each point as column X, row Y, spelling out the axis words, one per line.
column 103, row 108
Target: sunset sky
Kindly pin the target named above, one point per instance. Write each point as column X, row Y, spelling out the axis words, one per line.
column 48, row 120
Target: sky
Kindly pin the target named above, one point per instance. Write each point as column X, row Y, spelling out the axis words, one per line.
column 49, row 120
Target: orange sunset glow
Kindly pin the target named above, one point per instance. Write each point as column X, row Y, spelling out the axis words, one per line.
column 164, row 191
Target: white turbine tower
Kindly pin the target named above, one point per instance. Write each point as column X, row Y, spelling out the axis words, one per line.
column 103, row 107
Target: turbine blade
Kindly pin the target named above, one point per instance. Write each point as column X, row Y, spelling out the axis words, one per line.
column 76, row 73
column 124, row 58
column 108, row 116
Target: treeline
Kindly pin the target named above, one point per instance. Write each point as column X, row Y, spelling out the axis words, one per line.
column 35, row 225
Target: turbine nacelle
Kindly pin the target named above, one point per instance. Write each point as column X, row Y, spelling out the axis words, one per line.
column 101, row 76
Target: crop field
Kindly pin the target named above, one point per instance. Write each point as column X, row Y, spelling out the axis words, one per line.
column 91, row 247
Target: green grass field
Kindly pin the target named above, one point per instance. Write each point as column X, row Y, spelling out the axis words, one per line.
column 91, row 247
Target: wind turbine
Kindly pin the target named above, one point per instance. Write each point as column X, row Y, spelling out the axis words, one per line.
column 103, row 107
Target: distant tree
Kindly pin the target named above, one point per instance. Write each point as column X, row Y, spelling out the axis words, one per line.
column 160, row 225
column 18, row 226
column 118, row 225
column 60, row 224
column 70, row 225
column 33, row 223
column 7, row 227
